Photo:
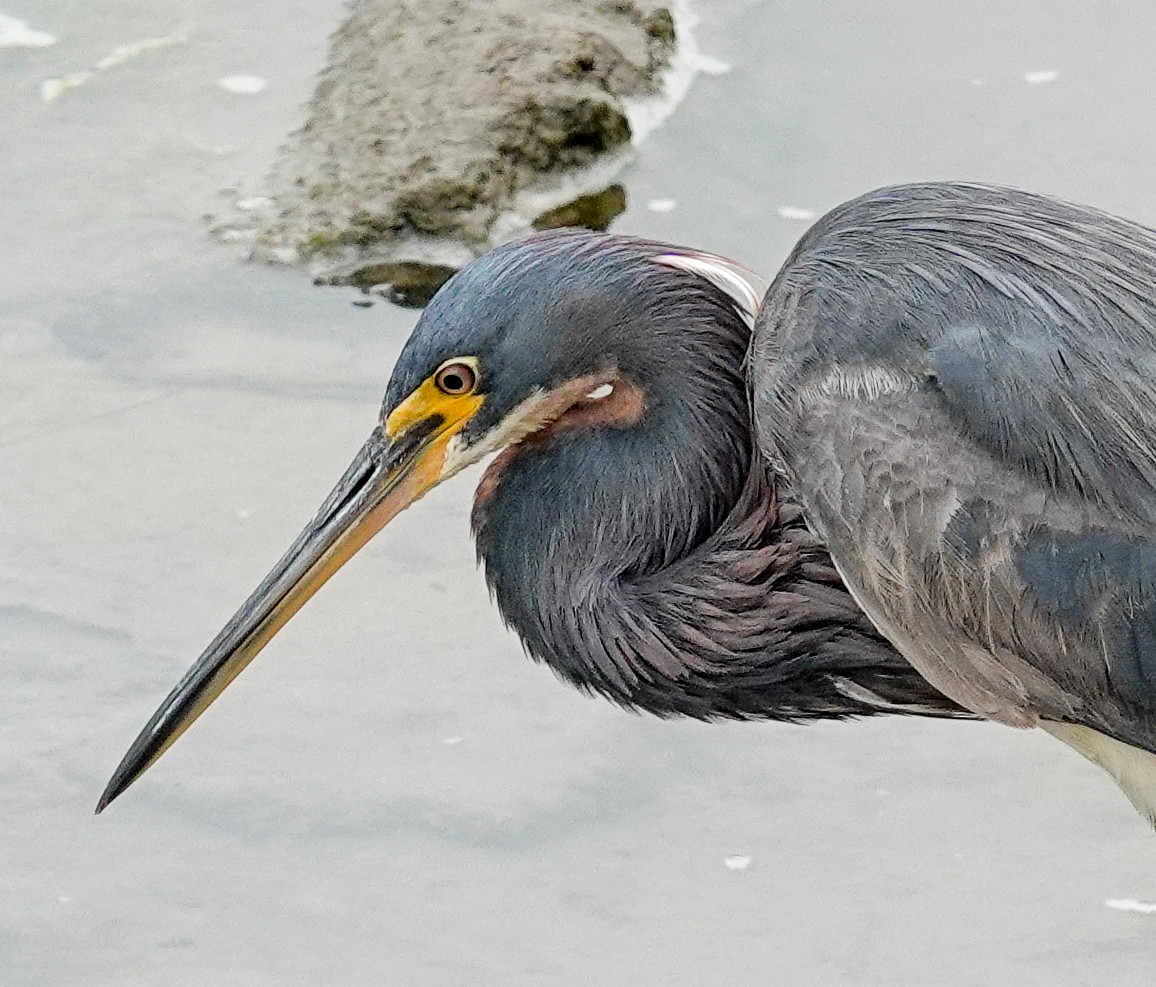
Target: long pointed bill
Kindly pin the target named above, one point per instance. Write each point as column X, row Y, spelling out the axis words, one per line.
column 384, row 479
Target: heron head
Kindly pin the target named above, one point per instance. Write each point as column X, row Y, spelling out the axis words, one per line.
column 516, row 340
column 543, row 326
column 511, row 341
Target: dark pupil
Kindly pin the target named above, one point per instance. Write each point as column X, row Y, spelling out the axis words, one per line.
column 453, row 382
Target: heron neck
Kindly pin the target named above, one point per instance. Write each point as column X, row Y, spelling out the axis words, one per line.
column 666, row 574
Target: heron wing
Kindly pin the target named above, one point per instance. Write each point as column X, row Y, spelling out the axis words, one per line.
column 961, row 382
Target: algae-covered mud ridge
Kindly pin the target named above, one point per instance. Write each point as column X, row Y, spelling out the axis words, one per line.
column 440, row 127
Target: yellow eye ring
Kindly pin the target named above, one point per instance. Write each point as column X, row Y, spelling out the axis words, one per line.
column 456, row 379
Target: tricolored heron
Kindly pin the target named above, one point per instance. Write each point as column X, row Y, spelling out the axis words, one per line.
column 925, row 483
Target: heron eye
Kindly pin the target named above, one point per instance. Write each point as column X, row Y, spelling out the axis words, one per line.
column 456, row 378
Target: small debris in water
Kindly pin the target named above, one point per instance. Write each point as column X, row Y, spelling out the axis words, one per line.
column 452, row 741
column 16, row 33
column 242, row 85
column 363, row 302
column 1040, row 77
column 737, row 863
column 1131, row 905
column 51, row 89
column 794, row 212
column 254, row 202
column 118, row 56
column 709, row 65
column 661, row 205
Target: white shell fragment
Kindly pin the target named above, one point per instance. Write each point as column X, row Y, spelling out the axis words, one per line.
column 709, row 65
column 16, row 33
column 124, row 53
column 242, row 85
column 1040, row 77
column 794, row 212
column 737, row 863
column 51, row 89
column 661, row 205
column 1131, row 905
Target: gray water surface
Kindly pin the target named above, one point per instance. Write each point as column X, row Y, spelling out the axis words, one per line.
column 392, row 794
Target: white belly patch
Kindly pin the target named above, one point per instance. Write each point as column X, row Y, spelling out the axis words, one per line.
column 1133, row 769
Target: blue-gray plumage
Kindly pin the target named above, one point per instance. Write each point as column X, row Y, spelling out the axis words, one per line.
column 925, row 485
column 960, row 382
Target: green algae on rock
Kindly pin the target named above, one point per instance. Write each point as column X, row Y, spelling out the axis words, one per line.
column 595, row 211
column 434, row 116
column 408, row 283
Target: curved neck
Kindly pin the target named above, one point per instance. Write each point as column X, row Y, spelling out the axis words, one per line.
column 654, row 564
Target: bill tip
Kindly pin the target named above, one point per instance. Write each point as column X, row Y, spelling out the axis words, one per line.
column 108, row 796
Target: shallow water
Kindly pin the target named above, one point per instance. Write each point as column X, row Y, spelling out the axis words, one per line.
column 393, row 794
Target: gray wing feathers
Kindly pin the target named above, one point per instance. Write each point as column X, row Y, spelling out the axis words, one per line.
column 961, row 382
column 1074, row 410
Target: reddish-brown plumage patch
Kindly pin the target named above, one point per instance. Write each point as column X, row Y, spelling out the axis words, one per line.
column 621, row 408
column 489, row 481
